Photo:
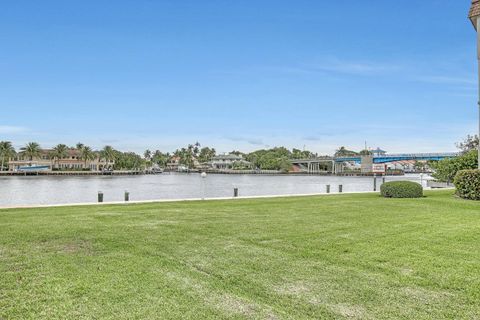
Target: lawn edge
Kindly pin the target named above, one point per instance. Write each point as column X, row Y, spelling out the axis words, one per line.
column 109, row 203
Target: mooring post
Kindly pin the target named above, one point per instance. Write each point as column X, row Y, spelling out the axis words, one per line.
column 100, row 196
column 235, row 192
column 328, row 188
column 203, row 175
column 340, row 188
column 127, row 196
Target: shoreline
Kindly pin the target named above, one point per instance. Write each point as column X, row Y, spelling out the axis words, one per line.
column 68, row 173
column 139, row 173
column 60, row 205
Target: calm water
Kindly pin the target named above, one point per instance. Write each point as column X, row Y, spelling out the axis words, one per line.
column 58, row 190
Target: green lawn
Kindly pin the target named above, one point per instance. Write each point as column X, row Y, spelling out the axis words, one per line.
column 329, row 257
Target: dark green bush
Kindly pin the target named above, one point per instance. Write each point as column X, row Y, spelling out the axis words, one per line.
column 467, row 183
column 401, row 189
column 445, row 170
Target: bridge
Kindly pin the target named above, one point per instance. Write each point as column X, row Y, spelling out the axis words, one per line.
column 335, row 164
column 386, row 158
column 315, row 165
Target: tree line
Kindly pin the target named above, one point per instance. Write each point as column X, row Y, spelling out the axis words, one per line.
column 278, row 158
column 32, row 150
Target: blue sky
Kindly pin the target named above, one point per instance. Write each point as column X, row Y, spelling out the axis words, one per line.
column 238, row 74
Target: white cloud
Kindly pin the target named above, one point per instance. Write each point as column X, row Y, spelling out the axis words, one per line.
column 357, row 68
column 250, row 140
column 322, row 65
column 12, row 129
column 448, row 80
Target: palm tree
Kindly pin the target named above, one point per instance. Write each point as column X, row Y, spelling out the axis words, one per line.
column 344, row 152
column 147, row 154
column 365, row 152
column 185, row 156
column 160, row 158
column 108, row 153
column 79, row 146
column 31, row 150
column 196, row 148
column 59, row 152
column 86, row 153
column 6, row 152
column 206, row 154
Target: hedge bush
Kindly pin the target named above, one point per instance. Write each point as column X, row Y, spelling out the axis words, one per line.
column 467, row 183
column 401, row 189
column 447, row 169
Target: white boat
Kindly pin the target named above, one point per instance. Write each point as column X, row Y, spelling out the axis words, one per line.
column 34, row 168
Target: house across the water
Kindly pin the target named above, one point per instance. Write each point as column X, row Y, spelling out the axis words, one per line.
column 229, row 161
column 45, row 161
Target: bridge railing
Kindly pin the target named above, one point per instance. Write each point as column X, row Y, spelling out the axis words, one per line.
column 313, row 159
column 420, row 155
column 405, row 155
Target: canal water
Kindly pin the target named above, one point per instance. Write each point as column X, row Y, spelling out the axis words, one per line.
column 33, row 190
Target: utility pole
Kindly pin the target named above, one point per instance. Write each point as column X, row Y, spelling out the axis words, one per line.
column 474, row 16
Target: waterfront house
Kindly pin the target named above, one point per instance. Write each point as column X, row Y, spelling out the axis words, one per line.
column 46, row 162
column 228, row 161
column 41, row 162
column 174, row 164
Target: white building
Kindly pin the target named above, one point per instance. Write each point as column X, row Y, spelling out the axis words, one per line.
column 228, row 161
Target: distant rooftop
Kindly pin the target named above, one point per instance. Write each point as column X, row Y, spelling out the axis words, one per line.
column 229, row 156
column 380, row 151
column 474, row 10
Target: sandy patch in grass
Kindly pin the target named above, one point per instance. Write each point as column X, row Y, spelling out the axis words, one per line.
column 185, row 283
column 152, row 224
column 304, row 290
column 268, row 241
column 297, row 289
column 427, row 296
column 349, row 311
column 10, row 251
column 108, row 213
column 227, row 303
column 232, row 304
column 406, row 271
column 230, row 245
column 71, row 247
column 74, row 247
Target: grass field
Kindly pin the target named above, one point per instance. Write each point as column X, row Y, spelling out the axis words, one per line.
column 328, row 257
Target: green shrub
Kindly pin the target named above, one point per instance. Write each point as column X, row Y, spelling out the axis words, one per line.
column 467, row 183
column 401, row 189
column 445, row 170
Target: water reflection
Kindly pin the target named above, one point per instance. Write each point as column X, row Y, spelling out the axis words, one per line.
column 58, row 190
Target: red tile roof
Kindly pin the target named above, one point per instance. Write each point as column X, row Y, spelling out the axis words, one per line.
column 474, row 9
